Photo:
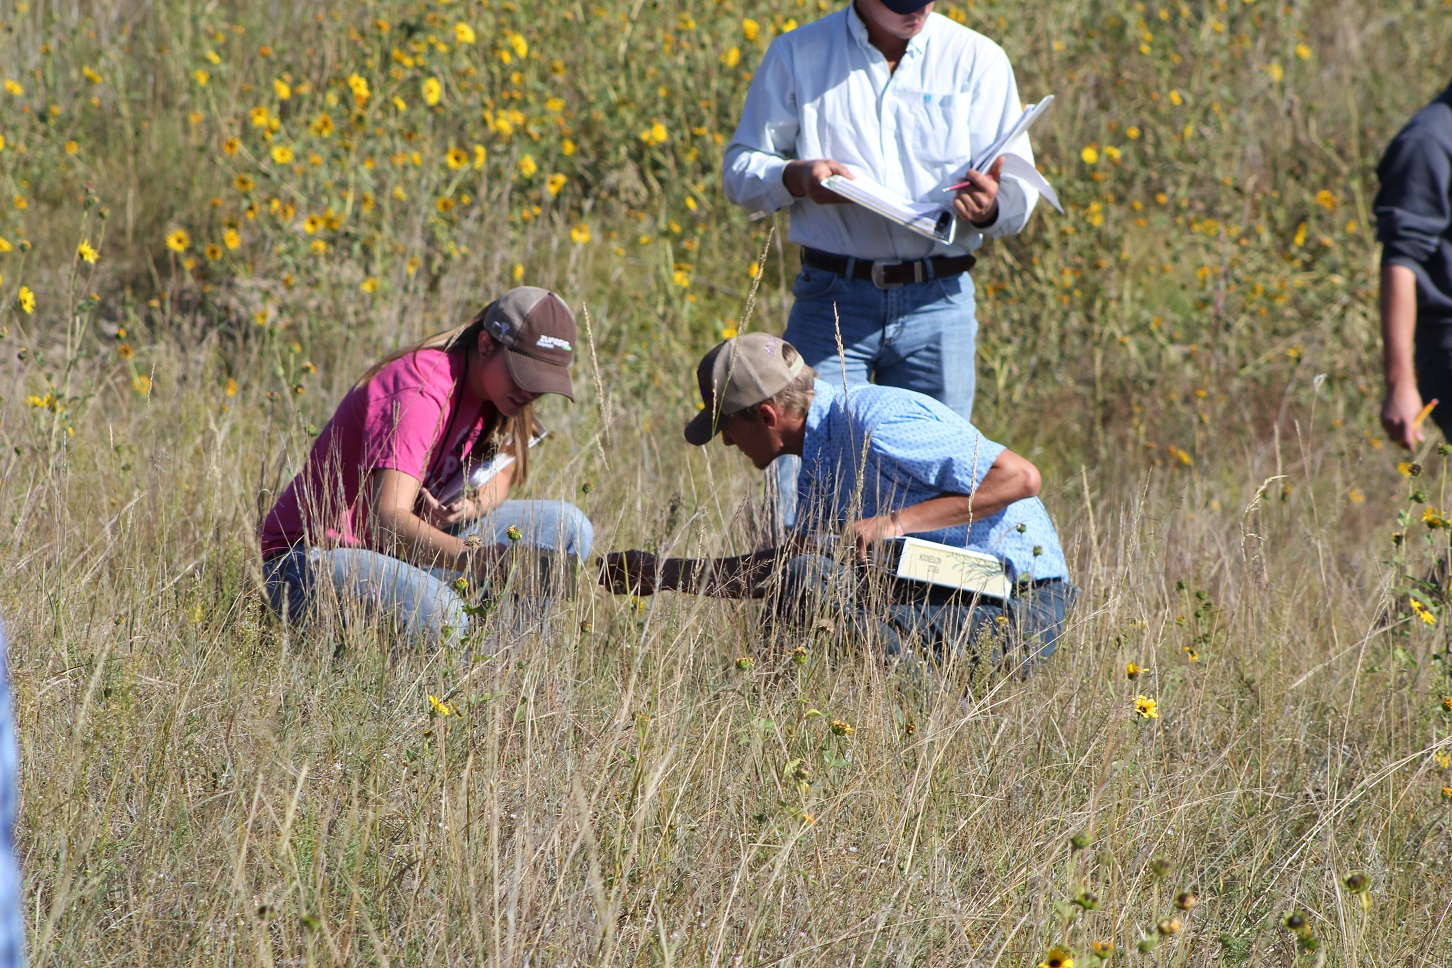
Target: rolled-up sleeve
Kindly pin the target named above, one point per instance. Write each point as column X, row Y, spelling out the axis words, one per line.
column 765, row 140
column 996, row 108
column 1413, row 207
column 932, row 455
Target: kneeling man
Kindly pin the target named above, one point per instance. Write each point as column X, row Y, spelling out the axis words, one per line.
column 877, row 463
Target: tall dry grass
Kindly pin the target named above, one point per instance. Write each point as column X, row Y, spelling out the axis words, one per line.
column 202, row 787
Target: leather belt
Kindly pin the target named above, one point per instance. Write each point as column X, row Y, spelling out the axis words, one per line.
column 889, row 273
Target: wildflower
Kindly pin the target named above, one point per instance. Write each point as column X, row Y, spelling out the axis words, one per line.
column 1277, row 72
column 744, row 663
column 1169, row 926
column 318, row 247
column 1409, row 469
column 282, row 154
column 799, row 656
column 1176, row 98
column 72, row 148
column 90, row 75
column 567, row 147
column 1357, row 883
column 580, row 234
column 125, row 351
column 1447, row 792
column 1447, row 703
column 520, row 45
column 456, row 158
column 1434, row 519
column 1133, row 670
column 1102, row 950
column 141, row 383
column 1325, row 199
column 655, row 134
column 1146, row 707
column 1058, row 958
column 1303, row 51
column 750, row 28
column 312, row 225
column 463, row 33
column 517, row 273
column 369, row 285
column 841, row 727
column 528, row 166
column 1132, row 133
column 201, row 77
column 1186, row 900
column 554, row 183
column 230, row 387
column 281, row 88
column 322, row 125
column 87, row 252
column 26, row 298
column 20, row 202
column 432, row 91
column 732, row 57
column 13, row 87
column 1443, row 759
column 213, row 252
column 444, row 205
column 1423, row 613
column 244, row 182
column 1090, row 155
column 513, row 533
column 437, row 707
column 358, row 84
column 231, row 239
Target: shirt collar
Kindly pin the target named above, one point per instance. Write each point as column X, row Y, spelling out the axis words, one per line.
column 857, row 30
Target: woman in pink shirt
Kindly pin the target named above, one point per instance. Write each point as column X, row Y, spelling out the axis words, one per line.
column 364, row 516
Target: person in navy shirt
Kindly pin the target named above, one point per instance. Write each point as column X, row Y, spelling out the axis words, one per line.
column 1413, row 211
column 877, row 463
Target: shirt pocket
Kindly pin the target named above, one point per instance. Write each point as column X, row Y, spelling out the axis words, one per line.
column 935, row 128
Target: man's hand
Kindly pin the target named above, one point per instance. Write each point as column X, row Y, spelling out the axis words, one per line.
column 871, row 531
column 978, row 201
column 804, row 178
column 632, row 573
column 1399, row 413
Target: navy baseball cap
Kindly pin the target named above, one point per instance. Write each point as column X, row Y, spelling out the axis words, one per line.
column 905, row 6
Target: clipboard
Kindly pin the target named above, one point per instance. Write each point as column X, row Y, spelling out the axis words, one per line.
column 931, row 220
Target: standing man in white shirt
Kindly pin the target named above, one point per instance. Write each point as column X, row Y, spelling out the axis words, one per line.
column 905, row 96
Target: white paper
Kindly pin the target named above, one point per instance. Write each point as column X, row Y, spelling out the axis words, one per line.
column 925, row 218
column 1021, row 168
column 990, row 154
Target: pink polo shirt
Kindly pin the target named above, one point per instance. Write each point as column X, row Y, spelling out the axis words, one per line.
column 417, row 416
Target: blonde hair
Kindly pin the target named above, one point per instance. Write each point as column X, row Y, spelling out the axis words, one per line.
column 504, row 433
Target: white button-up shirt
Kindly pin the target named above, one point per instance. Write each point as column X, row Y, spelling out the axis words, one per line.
column 823, row 91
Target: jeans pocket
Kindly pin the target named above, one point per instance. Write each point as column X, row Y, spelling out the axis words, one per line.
column 814, row 283
column 957, row 289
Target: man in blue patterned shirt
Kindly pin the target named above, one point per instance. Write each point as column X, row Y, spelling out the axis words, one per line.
column 877, row 462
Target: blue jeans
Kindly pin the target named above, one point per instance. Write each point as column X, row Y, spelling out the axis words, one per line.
column 421, row 600
column 900, row 617
column 921, row 336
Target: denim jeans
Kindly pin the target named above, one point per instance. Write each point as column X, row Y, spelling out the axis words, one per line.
column 421, row 600
column 901, row 617
column 921, row 336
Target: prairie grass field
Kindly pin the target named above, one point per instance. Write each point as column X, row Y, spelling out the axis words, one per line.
column 214, row 215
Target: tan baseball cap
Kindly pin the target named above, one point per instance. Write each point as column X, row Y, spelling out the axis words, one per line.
column 739, row 373
column 539, row 331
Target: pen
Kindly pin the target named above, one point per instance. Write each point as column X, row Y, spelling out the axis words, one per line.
column 1421, row 417
column 954, row 188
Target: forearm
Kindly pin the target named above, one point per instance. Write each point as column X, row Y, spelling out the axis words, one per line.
column 1398, row 301
column 409, row 537
column 741, row 576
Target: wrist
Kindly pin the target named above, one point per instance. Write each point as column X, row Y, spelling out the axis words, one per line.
column 988, row 221
column 896, row 518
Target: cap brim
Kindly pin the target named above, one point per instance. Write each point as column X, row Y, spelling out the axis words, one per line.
column 537, row 376
column 702, row 428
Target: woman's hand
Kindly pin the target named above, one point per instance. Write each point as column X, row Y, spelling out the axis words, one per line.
column 445, row 517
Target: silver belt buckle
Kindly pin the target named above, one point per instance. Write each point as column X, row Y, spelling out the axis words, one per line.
column 877, row 270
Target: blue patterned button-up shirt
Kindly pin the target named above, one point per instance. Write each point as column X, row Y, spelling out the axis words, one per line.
column 874, row 449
